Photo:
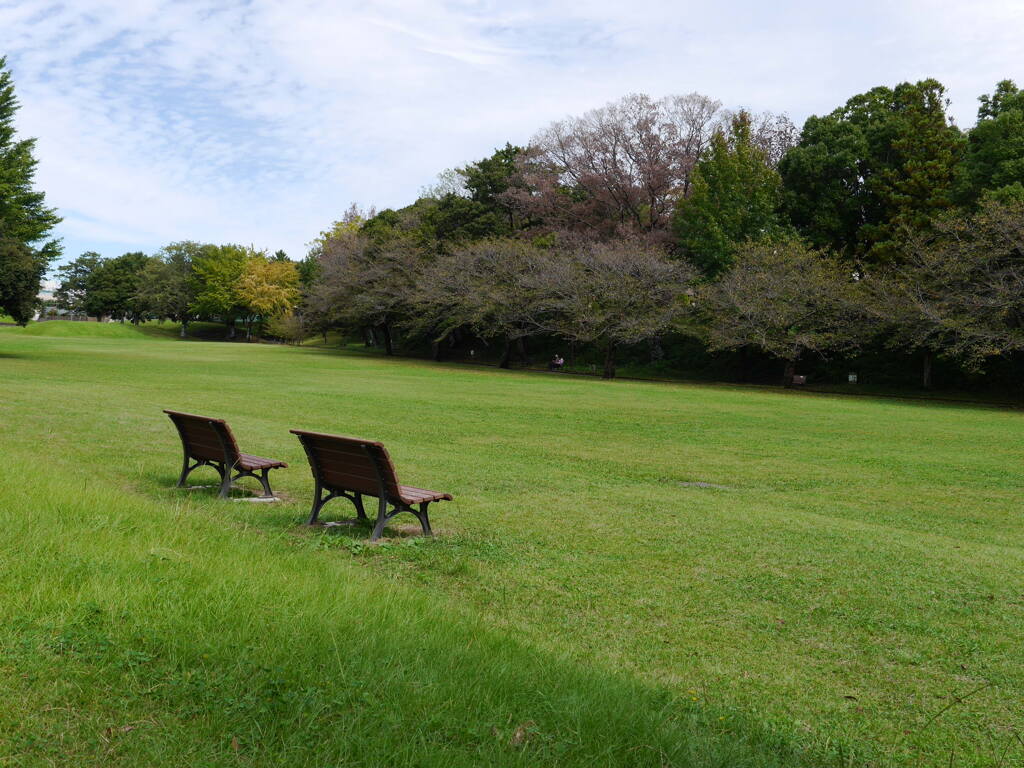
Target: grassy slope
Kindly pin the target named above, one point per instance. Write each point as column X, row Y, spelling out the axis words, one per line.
column 863, row 571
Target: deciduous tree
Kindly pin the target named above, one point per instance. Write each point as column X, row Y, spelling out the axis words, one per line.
column 112, row 287
column 784, row 299
column 267, row 288
column 617, row 293
column 363, row 284
column 617, row 168
column 958, row 291
column 216, row 271
column 166, row 287
column 493, row 287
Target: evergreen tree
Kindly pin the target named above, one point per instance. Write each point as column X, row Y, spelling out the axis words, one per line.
column 874, row 170
column 74, row 276
column 734, row 197
column 994, row 164
column 25, row 220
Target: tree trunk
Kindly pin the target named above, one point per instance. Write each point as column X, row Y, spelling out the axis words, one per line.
column 657, row 352
column 788, row 372
column 388, row 346
column 369, row 340
column 435, row 351
column 609, row 360
column 521, row 351
column 184, row 327
column 926, row 370
column 572, row 354
column 743, row 365
column 506, row 354
column 231, row 328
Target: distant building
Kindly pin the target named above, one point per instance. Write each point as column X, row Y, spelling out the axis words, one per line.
column 45, row 295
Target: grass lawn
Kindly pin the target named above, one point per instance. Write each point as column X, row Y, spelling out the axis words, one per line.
column 851, row 594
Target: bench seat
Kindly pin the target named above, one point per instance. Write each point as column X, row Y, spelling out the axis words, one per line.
column 412, row 495
column 252, row 463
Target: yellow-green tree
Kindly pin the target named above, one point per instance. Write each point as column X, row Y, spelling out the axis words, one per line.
column 216, row 273
column 267, row 288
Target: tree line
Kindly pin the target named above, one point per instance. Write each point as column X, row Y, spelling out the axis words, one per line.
column 184, row 281
column 671, row 231
column 881, row 228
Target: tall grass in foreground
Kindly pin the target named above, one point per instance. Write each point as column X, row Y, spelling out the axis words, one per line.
column 140, row 633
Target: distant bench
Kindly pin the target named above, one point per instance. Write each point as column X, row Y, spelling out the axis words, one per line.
column 209, row 442
column 352, row 468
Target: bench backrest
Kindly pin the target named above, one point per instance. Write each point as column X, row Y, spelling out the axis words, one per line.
column 349, row 464
column 205, row 438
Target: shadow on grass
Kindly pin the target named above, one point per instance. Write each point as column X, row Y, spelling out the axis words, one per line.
column 204, row 483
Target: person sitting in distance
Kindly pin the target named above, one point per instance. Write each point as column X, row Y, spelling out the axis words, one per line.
column 556, row 363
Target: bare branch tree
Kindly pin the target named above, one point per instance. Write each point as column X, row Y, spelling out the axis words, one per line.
column 774, row 134
column 958, row 291
column 492, row 287
column 617, row 169
column 614, row 294
column 783, row 298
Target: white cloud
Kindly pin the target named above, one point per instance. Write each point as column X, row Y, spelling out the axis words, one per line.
column 260, row 121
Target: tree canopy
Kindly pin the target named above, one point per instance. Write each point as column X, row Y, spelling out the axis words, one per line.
column 734, row 197
column 26, row 222
column 874, row 169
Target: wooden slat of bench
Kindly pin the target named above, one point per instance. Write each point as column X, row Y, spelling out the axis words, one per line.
column 206, row 437
column 341, row 473
column 417, row 495
column 248, row 461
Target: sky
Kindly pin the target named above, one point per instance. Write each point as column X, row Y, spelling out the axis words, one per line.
column 260, row 121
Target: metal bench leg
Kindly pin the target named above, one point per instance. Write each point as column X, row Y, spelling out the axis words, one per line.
column 265, row 482
column 184, row 472
column 424, row 519
column 225, row 480
column 357, row 500
column 382, row 518
column 317, row 503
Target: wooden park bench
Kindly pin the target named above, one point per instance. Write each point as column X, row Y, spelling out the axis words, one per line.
column 209, row 443
column 352, row 468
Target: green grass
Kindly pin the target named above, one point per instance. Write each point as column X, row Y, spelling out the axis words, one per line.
column 83, row 329
column 852, row 597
